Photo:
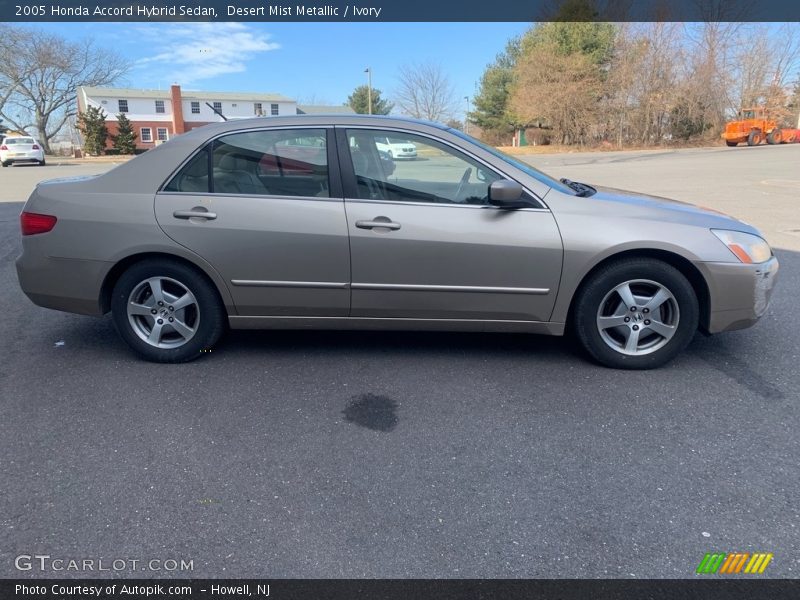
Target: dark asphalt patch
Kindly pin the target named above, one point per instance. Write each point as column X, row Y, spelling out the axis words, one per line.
column 373, row 412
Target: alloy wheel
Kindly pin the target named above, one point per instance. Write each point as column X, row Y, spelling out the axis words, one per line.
column 163, row 312
column 638, row 317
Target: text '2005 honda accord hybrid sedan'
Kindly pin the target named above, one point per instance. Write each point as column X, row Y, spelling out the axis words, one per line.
column 301, row 222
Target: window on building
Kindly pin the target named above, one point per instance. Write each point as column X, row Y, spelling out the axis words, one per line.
column 160, row 106
column 163, row 134
column 218, row 106
column 123, row 106
column 274, row 110
column 257, row 110
column 195, row 108
column 146, row 134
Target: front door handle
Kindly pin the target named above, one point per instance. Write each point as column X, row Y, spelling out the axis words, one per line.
column 383, row 222
column 195, row 213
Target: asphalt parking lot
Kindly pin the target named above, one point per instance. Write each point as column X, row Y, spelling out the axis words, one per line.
column 327, row 454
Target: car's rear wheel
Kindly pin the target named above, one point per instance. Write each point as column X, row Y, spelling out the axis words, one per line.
column 167, row 311
column 42, row 163
column 636, row 313
column 5, row 164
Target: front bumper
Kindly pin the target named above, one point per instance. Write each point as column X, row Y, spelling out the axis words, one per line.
column 740, row 293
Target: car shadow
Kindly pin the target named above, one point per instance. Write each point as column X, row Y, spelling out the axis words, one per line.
column 400, row 343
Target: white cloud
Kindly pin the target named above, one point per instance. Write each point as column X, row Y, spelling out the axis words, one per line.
column 187, row 53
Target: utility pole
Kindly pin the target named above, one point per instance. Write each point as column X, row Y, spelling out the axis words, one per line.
column 466, row 116
column 368, row 71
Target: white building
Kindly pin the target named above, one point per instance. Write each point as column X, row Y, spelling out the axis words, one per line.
column 157, row 115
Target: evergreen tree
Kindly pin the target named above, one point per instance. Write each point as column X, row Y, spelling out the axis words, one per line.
column 490, row 105
column 92, row 124
column 125, row 140
column 359, row 101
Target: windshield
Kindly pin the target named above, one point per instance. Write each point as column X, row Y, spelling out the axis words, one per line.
column 526, row 168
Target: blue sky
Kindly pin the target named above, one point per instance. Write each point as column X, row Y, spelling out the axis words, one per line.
column 314, row 62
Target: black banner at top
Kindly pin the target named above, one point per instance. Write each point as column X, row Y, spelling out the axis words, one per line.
column 402, row 10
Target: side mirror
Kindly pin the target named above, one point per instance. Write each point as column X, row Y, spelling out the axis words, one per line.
column 506, row 194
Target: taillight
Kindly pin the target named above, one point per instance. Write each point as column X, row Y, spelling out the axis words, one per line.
column 35, row 147
column 33, row 223
column 3, row 147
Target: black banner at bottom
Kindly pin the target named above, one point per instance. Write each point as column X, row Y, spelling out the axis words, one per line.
column 398, row 589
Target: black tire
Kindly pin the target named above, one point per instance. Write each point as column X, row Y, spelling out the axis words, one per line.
column 774, row 137
column 731, row 144
column 42, row 163
column 754, row 139
column 5, row 164
column 207, row 314
column 592, row 297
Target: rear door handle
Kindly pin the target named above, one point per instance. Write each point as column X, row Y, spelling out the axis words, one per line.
column 194, row 214
column 383, row 222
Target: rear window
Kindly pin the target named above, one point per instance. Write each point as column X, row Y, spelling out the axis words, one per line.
column 19, row 141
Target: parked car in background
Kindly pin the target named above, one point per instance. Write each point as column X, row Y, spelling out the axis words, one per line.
column 295, row 222
column 396, row 147
column 21, row 149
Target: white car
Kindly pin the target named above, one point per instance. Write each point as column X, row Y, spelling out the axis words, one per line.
column 396, row 148
column 19, row 149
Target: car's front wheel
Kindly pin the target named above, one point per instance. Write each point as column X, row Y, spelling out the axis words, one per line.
column 636, row 313
column 167, row 311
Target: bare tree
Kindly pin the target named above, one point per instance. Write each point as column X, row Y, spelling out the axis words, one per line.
column 642, row 82
column 39, row 76
column 425, row 92
column 559, row 92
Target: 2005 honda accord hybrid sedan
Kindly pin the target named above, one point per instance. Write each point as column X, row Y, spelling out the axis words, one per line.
column 300, row 222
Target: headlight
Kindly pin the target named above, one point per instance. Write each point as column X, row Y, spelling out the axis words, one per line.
column 747, row 247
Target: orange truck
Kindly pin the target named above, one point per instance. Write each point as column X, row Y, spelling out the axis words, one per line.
column 754, row 126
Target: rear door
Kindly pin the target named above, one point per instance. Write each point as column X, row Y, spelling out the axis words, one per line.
column 426, row 244
column 265, row 208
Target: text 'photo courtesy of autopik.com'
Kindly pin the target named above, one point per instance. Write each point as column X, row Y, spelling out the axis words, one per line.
column 377, row 300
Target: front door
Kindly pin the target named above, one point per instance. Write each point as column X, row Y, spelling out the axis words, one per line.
column 425, row 243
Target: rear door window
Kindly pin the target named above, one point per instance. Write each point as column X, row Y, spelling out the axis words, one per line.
column 290, row 162
column 287, row 162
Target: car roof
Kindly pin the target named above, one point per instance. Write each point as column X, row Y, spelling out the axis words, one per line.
column 322, row 120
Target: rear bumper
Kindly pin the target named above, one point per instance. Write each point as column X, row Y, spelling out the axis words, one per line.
column 61, row 283
column 739, row 293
